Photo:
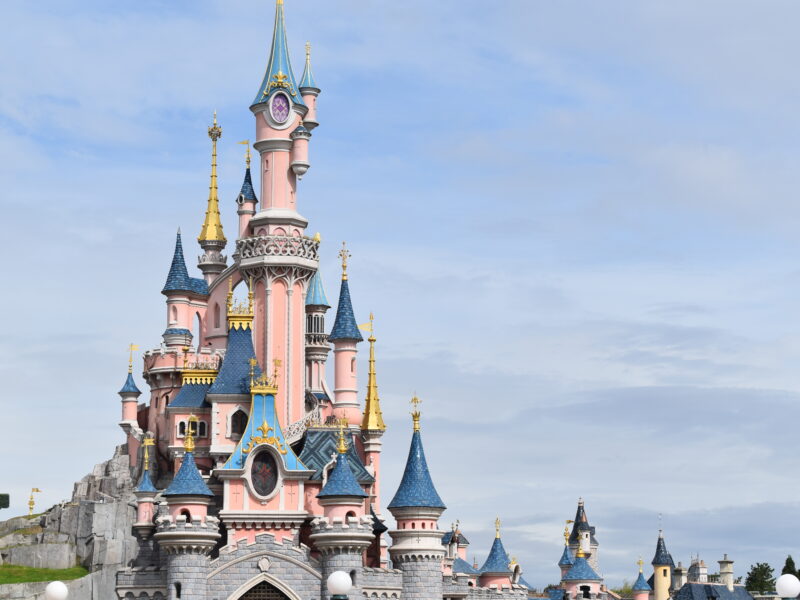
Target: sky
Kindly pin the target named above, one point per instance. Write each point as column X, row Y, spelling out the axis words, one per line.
column 576, row 224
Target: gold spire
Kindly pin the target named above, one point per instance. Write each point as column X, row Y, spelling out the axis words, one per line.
column 373, row 418
column 212, row 226
column 640, row 562
column 415, row 412
column 566, row 531
column 341, row 446
column 497, row 528
column 279, row 3
column 344, row 254
column 247, row 152
column 131, row 349
column 188, row 439
column 147, row 442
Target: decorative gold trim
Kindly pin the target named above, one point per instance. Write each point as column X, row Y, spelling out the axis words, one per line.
column 265, row 438
column 344, row 254
column 415, row 412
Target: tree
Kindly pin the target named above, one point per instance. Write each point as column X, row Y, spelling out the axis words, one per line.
column 760, row 578
column 625, row 590
column 788, row 566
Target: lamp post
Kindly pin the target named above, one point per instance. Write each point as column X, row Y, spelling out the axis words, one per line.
column 56, row 590
column 339, row 583
column 787, row 586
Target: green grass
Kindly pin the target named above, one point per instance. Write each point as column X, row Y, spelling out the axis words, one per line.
column 18, row 574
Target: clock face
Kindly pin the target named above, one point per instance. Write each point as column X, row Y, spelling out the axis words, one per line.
column 264, row 474
column 279, row 108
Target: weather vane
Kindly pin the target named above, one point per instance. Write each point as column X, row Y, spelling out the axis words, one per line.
column 131, row 349
column 415, row 412
column 344, row 254
column 247, row 152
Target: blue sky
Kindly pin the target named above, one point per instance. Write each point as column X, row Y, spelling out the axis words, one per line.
column 576, row 224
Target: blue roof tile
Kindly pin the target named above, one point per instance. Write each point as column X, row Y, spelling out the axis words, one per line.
column 188, row 481
column 641, row 584
column 130, row 386
column 178, row 279
column 345, row 326
column 498, row 559
column 555, row 594
column 247, row 193
column 460, row 538
column 191, row 395
column 524, row 583
column 320, row 444
column 566, row 558
column 710, row 591
column 234, row 372
column 378, row 526
column 581, row 571
column 177, row 331
column 145, row 483
column 662, row 557
column 416, row 487
column 462, row 566
column 341, row 481
column 279, row 74
column 316, row 293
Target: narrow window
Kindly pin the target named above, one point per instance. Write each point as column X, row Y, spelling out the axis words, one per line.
column 203, row 429
column 353, row 365
column 182, row 428
column 216, row 316
column 238, row 423
column 177, row 590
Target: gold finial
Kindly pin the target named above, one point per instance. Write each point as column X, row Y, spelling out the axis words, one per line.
column 341, row 447
column 185, row 357
column 253, row 363
column 373, row 418
column 264, row 384
column 317, row 237
column 415, row 412
column 279, row 3
column 240, row 315
column 566, row 531
column 308, row 51
column 131, row 349
column 640, row 562
column 212, row 225
column 497, row 528
column 344, row 254
column 247, row 152
column 147, row 443
column 31, row 502
column 188, row 439
column 276, row 363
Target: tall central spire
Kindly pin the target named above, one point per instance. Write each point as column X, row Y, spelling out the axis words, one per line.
column 279, row 74
column 212, row 226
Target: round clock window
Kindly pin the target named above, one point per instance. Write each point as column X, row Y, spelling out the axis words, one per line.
column 264, row 474
column 279, row 107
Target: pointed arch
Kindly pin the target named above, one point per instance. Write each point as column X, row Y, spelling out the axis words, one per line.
column 261, row 586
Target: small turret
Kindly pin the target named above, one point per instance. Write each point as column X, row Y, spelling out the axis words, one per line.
column 212, row 240
column 641, row 589
column 180, row 289
column 309, row 91
column 372, row 424
column 497, row 570
column 662, row 569
column 344, row 336
column 317, row 346
column 145, row 493
column 582, row 538
column 130, row 398
column 246, row 200
column 342, row 494
column 300, row 137
column 566, row 561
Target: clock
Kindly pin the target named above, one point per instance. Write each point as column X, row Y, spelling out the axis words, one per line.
column 264, row 473
column 280, row 107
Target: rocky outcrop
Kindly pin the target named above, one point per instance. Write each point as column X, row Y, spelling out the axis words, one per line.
column 93, row 529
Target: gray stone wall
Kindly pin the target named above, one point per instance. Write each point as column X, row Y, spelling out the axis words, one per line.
column 422, row 578
column 190, row 572
column 381, row 583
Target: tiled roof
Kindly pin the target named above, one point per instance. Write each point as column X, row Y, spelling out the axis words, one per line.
column 498, row 559
column 177, row 331
column 460, row 538
column 307, row 81
column 641, row 585
column 145, row 483
column 178, row 279
column 320, row 446
column 416, row 487
column 341, row 481
column 191, row 395
column 710, row 591
column 524, row 583
column 566, row 558
column 279, row 68
column 581, row 571
column 188, row 481
column 462, row 566
column 234, row 372
column 581, row 524
column 345, row 326
column 662, row 557
column 555, row 594
column 316, row 293
column 130, row 386
column 247, row 192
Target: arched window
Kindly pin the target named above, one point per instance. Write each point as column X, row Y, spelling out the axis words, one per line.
column 310, row 323
column 353, row 576
column 166, row 400
column 177, row 590
column 197, row 331
column 174, row 313
column 182, row 429
column 217, row 322
column 353, row 365
column 423, row 524
column 185, row 512
column 202, row 429
column 585, row 591
column 238, row 423
column 413, row 525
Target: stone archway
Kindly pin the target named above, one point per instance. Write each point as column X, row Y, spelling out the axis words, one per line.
column 264, row 591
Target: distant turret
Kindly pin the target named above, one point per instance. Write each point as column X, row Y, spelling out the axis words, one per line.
column 310, row 91
column 641, row 589
column 246, row 200
column 662, row 569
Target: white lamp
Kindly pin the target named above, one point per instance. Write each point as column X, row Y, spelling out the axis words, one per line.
column 787, row 586
column 56, row 590
column 339, row 583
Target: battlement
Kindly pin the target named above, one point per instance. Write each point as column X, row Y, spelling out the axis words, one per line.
column 381, row 583
column 263, row 542
column 182, row 536
column 349, row 523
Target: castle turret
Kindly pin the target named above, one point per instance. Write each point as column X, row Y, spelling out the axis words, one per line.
column 726, row 572
column 145, row 493
column 497, row 570
column 212, row 240
column 130, row 399
column 187, row 534
column 345, row 336
column 566, row 561
column 662, row 569
column 310, row 91
column 246, row 200
column 581, row 581
column 317, row 346
column 344, row 533
column 417, row 548
column 582, row 538
column 184, row 295
column 641, row 589
column 372, row 425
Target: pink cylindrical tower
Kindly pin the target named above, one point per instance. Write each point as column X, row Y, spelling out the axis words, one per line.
column 310, row 91
column 641, row 589
column 246, row 200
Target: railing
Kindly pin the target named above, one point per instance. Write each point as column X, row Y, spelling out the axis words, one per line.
column 316, row 339
column 277, row 245
column 296, row 430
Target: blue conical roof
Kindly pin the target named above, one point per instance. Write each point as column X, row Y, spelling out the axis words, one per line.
column 566, row 558
column 498, row 560
column 178, row 279
column 307, row 81
column 279, row 74
column 345, row 326
column 416, row 487
column 247, row 193
column 641, row 584
column 234, row 372
column 582, row 571
column 188, row 481
column 341, row 481
column 316, row 293
column 662, row 558
column 130, row 386
column 145, row 483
